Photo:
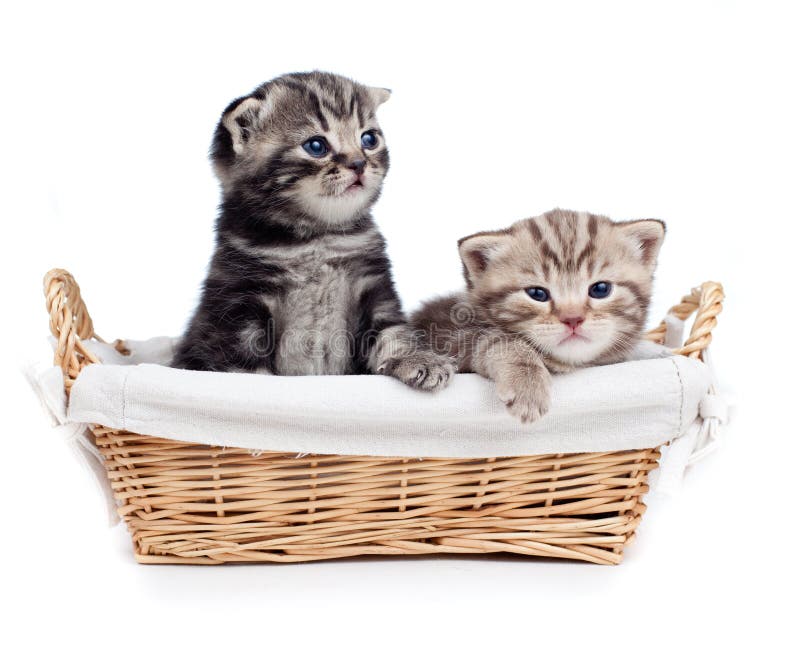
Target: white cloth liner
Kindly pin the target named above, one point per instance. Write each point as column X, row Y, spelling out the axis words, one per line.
column 633, row 405
column 48, row 384
column 627, row 406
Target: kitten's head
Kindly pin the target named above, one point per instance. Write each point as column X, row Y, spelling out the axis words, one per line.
column 305, row 145
column 576, row 285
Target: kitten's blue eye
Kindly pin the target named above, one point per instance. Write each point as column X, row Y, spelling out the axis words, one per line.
column 316, row 147
column 369, row 140
column 538, row 294
column 600, row 289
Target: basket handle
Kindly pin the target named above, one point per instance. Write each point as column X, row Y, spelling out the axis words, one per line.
column 70, row 323
column 705, row 302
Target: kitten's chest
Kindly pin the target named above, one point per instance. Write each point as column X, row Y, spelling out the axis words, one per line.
column 313, row 321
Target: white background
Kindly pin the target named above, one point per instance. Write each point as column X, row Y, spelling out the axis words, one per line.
column 683, row 111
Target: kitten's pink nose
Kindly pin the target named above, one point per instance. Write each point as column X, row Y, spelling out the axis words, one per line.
column 573, row 323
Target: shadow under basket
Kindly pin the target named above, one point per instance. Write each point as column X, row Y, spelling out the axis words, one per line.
column 191, row 503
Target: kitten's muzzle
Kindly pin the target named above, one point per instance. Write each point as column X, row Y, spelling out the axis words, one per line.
column 573, row 325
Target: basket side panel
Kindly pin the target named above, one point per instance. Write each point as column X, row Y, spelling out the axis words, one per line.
column 192, row 503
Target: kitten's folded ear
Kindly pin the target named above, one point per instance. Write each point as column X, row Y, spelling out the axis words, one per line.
column 479, row 250
column 241, row 119
column 379, row 95
column 646, row 235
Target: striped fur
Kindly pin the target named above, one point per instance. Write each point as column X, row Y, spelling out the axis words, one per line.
column 496, row 329
column 300, row 282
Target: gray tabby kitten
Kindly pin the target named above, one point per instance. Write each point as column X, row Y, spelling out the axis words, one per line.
column 549, row 294
column 300, row 283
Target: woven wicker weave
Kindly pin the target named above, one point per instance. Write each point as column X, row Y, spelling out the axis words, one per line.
column 196, row 504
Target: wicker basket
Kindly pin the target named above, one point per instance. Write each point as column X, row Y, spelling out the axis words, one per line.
column 195, row 504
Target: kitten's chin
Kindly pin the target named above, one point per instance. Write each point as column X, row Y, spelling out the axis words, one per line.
column 340, row 209
column 577, row 351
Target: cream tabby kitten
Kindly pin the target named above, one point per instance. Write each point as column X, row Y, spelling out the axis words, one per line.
column 548, row 294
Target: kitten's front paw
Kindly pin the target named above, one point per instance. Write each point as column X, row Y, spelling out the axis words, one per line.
column 426, row 371
column 525, row 391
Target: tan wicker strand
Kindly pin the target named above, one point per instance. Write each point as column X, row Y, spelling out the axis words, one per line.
column 706, row 302
column 71, row 324
column 191, row 503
